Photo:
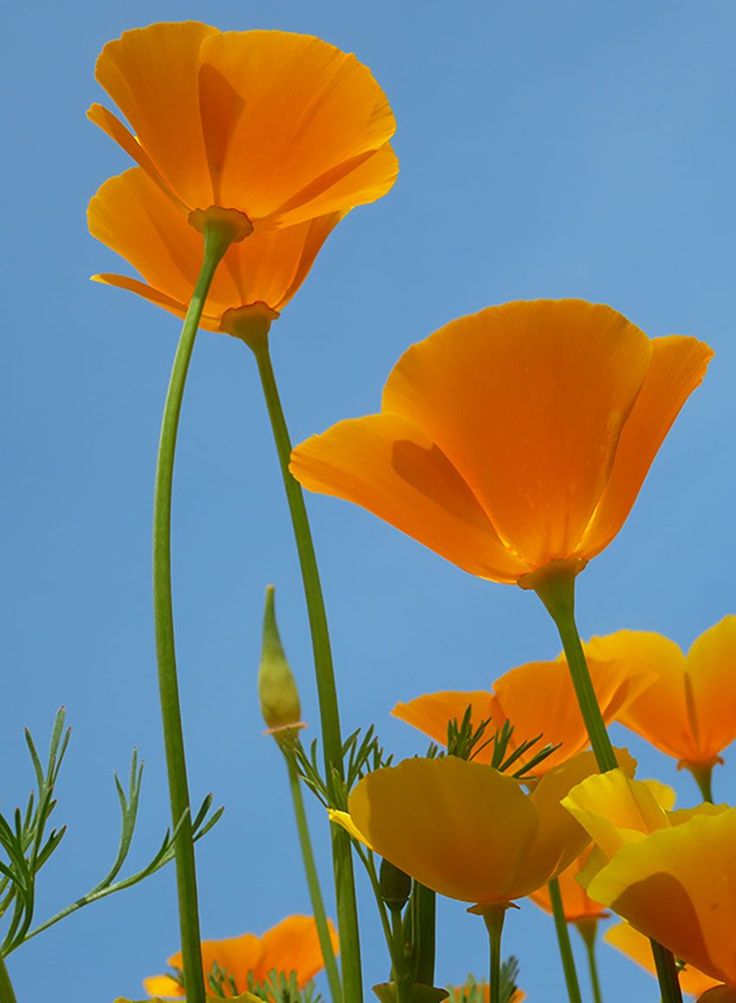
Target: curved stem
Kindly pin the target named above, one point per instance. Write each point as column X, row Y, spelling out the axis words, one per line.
column 703, row 776
column 7, row 994
column 315, row 892
column 216, row 241
column 563, row 941
column 347, row 916
column 494, row 917
column 587, row 930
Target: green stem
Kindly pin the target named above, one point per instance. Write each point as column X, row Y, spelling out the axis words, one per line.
column 399, row 973
column 425, row 908
column 587, row 928
column 703, row 776
column 7, row 995
column 216, row 241
column 494, row 917
column 315, row 892
column 563, row 941
column 669, row 981
column 347, row 913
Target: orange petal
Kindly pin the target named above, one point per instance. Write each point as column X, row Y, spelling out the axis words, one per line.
column 386, row 464
column 152, row 74
column 661, row 886
column 638, row 948
column 677, row 367
column 576, row 902
column 432, row 712
column 153, row 296
column 459, row 828
column 307, row 112
column 527, row 400
column 711, row 663
column 293, row 946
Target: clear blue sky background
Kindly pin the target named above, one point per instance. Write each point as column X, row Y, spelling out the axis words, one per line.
column 547, row 149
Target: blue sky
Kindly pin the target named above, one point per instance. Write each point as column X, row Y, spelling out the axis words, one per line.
column 567, row 149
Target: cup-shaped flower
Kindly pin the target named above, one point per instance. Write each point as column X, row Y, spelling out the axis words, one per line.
column 290, row 946
column 281, row 127
column 638, row 948
column 464, row 829
column 537, row 698
column 512, row 438
column 577, row 905
column 132, row 217
column 672, row 875
column 689, row 709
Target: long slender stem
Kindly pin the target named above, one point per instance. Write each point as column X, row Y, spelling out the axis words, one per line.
column 347, row 915
column 425, row 909
column 563, row 941
column 588, row 929
column 315, row 892
column 494, row 917
column 7, row 995
column 216, row 242
column 669, row 980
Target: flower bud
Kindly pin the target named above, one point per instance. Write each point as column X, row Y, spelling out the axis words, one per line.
column 395, row 886
column 277, row 689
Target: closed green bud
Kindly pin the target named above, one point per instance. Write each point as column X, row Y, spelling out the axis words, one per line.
column 395, row 886
column 276, row 684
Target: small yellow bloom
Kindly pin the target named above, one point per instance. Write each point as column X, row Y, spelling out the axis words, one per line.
column 513, row 438
column 689, row 709
column 290, row 946
column 537, row 699
column 637, row 947
column 464, row 829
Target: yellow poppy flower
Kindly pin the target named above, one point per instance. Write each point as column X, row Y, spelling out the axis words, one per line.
column 689, row 709
column 512, row 438
column 290, row 946
column 135, row 219
column 464, row 829
column 672, row 875
column 637, row 947
column 537, row 699
column 578, row 906
column 282, row 127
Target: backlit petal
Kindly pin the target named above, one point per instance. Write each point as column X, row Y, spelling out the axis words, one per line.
column 677, row 367
column 576, row 903
column 431, row 712
column 638, row 948
column 389, row 466
column 163, row 986
column 459, row 828
column 293, row 946
column 528, row 401
column 711, row 670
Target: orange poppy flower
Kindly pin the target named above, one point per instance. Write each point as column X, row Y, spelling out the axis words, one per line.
column 672, row 875
column 638, row 948
column 689, row 709
column 130, row 215
column 282, row 127
column 464, row 829
column 290, row 946
column 577, row 904
column 514, row 437
column 537, row 699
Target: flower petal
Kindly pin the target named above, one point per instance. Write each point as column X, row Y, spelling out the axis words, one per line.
column 638, row 948
column 153, row 296
column 432, row 712
column 459, row 828
column 528, row 401
column 711, row 663
column 576, row 903
column 293, row 946
column 677, row 367
column 386, row 464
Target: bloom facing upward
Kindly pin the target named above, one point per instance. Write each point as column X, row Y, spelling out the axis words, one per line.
column 133, row 217
column 290, row 946
column 281, row 127
column 537, row 698
column 689, row 709
column 512, row 438
column 464, row 829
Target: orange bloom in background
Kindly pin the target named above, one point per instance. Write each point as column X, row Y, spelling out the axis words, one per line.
column 537, row 698
column 135, row 219
column 672, row 875
column 637, row 947
column 467, row 831
column 513, row 437
column 282, row 127
column 689, row 709
column 290, row 946
column 577, row 904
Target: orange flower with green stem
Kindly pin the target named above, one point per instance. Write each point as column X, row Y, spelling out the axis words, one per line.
column 243, row 133
column 689, row 710
column 514, row 442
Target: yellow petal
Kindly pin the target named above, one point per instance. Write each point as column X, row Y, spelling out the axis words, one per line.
column 163, row 986
column 431, row 712
column 527, row 400
column 576, row 903
column 678, row 365
column 638, row 948
column 344, row 819
column 389, row 466
column 461, row 829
